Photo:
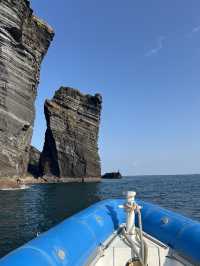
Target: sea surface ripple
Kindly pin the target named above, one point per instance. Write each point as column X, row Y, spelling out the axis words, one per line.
column 25, row 213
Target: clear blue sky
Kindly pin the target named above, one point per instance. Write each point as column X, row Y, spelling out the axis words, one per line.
column 144, row 58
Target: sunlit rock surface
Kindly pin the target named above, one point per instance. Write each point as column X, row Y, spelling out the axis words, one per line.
column 24, row 40
column 70, row 148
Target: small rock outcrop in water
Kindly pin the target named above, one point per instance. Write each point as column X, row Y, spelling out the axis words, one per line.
column 113, row 175
column 34, row 158
column 70, row 148
column 24, row 40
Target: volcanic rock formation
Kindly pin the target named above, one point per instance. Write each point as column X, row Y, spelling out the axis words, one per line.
column 24, row 40
column 112, row 175
column 70, row 148
column 34, row 158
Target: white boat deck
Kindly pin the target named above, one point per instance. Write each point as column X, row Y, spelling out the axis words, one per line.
column 117, row 252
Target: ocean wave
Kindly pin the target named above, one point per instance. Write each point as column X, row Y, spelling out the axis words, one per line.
column 16, row 188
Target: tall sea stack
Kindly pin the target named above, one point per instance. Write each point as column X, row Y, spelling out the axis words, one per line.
column 24, row 40
column 70, row 148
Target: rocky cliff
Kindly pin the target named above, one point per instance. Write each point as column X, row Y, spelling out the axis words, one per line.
column 24, row 40
column 70, row 148
column 33, row 164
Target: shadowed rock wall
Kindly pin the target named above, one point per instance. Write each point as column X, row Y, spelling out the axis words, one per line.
column 33, row 164
column 70, row 148
column 24, row 40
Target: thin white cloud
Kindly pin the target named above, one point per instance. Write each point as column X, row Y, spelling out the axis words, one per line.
column 196, row 29
column 159, row 46
column 193, row 31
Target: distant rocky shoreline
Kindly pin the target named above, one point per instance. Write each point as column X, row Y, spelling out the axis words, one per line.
column 112, row 175
column 17, row 183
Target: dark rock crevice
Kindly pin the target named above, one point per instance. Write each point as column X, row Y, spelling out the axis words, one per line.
column 48, row 164
column 33, row 165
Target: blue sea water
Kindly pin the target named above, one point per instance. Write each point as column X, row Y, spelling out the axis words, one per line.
column 24, row 213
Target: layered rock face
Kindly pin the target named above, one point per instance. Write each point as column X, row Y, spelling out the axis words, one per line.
column 24, row 40
column 70, row 148
column 34, row 158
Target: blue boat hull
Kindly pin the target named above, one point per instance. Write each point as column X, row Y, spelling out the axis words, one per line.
column 74, row 241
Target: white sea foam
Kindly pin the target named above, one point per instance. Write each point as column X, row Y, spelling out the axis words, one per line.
column 17, row 188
